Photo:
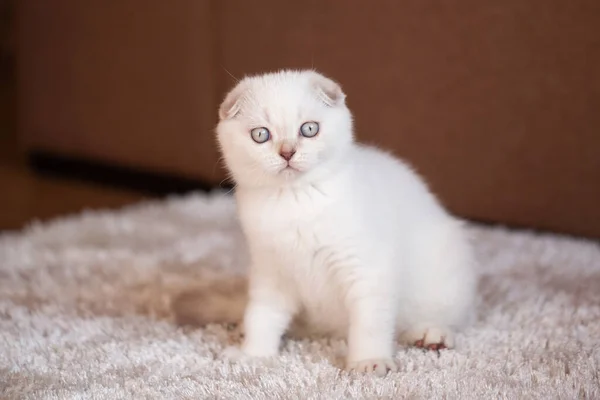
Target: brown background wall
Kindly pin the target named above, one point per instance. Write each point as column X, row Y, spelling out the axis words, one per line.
column 124, row 81
column 496, row 104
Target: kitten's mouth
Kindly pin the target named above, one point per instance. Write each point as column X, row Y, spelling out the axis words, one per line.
column 289, row 168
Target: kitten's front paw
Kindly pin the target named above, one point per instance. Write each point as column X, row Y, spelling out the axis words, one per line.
column 258, row 351
column 233, row 353
column 377, row 366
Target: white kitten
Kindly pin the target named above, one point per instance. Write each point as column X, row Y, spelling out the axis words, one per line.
column 342, row 235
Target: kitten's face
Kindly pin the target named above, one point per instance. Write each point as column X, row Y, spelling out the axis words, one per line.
column 280, row 128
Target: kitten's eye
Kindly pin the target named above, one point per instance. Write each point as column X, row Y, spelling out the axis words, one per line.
column 309, row 129
column 260, row 135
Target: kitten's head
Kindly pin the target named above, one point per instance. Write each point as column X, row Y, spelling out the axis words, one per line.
column 284, row 127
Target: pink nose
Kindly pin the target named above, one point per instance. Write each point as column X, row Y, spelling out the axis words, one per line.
column 287, row 155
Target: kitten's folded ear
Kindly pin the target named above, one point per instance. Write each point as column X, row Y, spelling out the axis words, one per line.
column 329, row 91
column 230, row 107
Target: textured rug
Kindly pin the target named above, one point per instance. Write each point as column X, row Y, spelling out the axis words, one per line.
column 85, row 314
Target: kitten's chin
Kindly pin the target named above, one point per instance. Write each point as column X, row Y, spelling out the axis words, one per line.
column 290, row 173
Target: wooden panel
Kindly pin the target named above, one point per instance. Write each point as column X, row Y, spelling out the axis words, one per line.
column 128, row 81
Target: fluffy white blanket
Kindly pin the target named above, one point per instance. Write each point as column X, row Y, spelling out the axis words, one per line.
column 84, row 314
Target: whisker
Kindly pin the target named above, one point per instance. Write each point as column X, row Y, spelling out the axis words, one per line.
column 221, row 158
column 230, row 74
column 232, row 189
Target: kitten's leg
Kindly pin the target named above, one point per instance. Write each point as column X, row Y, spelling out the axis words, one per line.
column 439, row 291
column 371, row 335
column 264, row 325
column 266, row 318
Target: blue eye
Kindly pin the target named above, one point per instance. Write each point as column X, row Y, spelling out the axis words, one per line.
column 309, row 129
column 260, row 135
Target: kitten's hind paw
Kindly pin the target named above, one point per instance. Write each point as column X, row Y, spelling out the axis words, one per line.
column 379, row 367
column 430, row 339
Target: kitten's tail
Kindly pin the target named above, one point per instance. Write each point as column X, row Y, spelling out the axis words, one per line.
column 213, row 301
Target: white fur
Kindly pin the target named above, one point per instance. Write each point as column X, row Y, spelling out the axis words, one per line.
column 352, row 239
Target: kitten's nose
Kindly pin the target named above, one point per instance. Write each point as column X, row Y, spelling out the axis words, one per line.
column 287, row 152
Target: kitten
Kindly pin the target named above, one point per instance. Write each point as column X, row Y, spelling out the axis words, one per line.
column 343, row 236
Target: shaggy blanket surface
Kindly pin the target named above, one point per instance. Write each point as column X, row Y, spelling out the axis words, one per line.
column 85, row 314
